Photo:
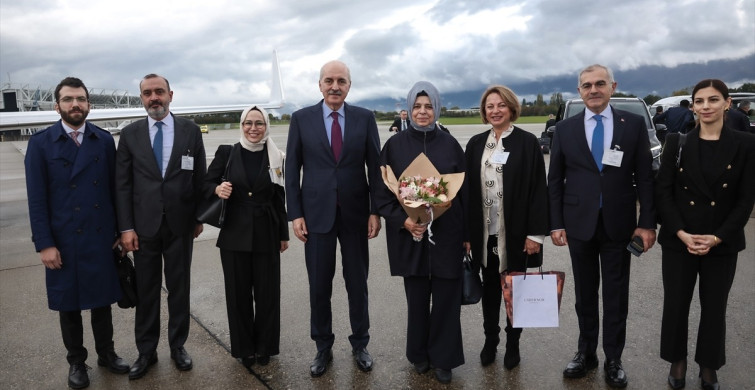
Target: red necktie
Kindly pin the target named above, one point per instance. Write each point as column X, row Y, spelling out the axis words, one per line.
column 75, row 136
column 336, row 140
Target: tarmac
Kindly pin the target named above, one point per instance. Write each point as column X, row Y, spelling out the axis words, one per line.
column 32, row 355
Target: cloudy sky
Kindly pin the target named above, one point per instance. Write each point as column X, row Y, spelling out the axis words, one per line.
column 219, row 52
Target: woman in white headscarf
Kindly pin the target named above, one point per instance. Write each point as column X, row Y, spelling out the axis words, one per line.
column 253, row 236
column 432, row 271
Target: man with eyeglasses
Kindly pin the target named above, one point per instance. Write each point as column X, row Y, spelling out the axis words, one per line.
column 597, row 158
column 160, row 167
column 70, row 170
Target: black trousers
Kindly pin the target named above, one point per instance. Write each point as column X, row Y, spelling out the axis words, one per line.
column 680, row 273
column 591, row 260
column 252, row 297
column 492, row 295
column 72, row 329
column 175, row 252
column 433, row 331
column 320, row 256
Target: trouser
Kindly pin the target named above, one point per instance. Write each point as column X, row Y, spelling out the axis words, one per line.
column 492, row 294
column 680, row 273
column 72, row 329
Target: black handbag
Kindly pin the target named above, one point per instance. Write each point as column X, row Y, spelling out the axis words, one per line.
column 212, row 210
column 471, row 290
column 127, row 279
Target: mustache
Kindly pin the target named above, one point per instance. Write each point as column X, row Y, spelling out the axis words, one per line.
column 337, row 93
column 153, row 102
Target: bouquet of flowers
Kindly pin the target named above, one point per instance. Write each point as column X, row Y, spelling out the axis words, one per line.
column 424, row 193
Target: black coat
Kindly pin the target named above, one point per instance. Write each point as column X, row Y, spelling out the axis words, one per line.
column 255, row 218
column 685, row 201
column 409, row 258
column 525, row 196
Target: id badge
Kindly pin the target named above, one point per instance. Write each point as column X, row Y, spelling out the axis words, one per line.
column 499, row 157
column 613, row 157
column 187, row 163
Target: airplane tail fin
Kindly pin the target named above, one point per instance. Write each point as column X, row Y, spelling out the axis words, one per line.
column 276, row 90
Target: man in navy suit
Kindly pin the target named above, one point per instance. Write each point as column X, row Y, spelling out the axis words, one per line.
column 160, row 166
column 329, row 199
column 70, row 170
column 597, row 159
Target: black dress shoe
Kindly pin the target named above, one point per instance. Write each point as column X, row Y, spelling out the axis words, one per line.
column 615, row 375
column 141, row 365
column 363, row 359
column 77, row 376
column 422, row 367
column 443, row 376
column 248, row 362
column 320, row 364
column 113, row 362
column 708, row 385
column 580, row 364
column 511, row 358
column 487, row 355
column 263, row 360
column 181, row 358
column 676, row 384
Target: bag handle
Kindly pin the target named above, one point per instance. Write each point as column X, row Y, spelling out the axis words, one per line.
column 542, row 276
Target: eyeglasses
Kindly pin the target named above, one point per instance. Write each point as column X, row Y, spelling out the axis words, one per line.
column 598, row 84
column 249, row 124
column 70, row 99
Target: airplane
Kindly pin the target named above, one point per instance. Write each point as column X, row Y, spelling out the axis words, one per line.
column 27, row 119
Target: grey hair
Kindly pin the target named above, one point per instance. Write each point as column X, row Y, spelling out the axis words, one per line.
column 592, row 68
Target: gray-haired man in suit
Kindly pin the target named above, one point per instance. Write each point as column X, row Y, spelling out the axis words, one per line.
column 160, row 165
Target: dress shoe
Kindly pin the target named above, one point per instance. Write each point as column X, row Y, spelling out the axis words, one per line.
column 181, row 358
column 320, row 364
column 580, row 364
column 363, row 359
column 615, row 375
column 263, row 360
column 77, row 376
column 511, row 358
column 248, row 362
column 489, row 350
column 443, row 376
column 676, row 384
column 713, row 385
column 113, row 362
column 422, row 367
column 141, row 365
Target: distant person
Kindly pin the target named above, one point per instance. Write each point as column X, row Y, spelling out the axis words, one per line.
column 678, row 119
column 737, row 119
column 508, row 223
column 431, row 271
column 550, row 122
column 401, row 123
column 70, row 168
column 705, row 195
column 657, row 117
column 593, row 210
column 160, row 168
column 329, row 193
column 253, row 236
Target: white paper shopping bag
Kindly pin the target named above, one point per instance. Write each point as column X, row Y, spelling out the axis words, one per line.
column 535, row 301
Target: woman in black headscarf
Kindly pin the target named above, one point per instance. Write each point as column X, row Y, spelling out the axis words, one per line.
column 431, row 271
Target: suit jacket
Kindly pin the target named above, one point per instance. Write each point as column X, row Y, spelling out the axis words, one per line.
column 525, row 197
column 70, row 193
column 143, row 195
column 397, row 124
column 687, row 202
column 575, row 185
column 255, row 218
column 316, row 183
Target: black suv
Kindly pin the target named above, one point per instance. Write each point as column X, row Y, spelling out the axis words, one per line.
column 634, row 105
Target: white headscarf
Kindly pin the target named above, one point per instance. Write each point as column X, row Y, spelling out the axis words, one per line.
column 275, row 156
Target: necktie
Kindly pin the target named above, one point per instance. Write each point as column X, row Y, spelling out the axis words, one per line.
column 403, row 125
column 157, row 146
column 75, row 137
column 597, row 142
column 336, row 140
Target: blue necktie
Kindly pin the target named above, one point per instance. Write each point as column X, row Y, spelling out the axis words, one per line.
column 157, row 146
column 597, row 142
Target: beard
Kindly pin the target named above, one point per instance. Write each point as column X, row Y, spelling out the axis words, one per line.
column 74, row 117
column 158, row 112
